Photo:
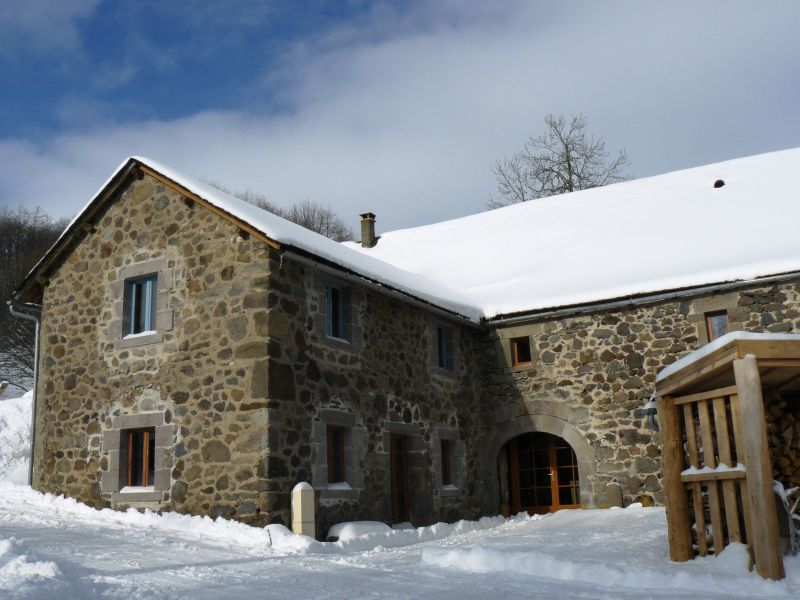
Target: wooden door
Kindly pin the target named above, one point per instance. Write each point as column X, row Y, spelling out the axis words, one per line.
column 543, row 473
column 398, row 453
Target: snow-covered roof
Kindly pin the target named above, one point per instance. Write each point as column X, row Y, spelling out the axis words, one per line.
column 644, row 236
column 293, row 236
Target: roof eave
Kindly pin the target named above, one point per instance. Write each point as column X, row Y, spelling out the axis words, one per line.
column 636, row 299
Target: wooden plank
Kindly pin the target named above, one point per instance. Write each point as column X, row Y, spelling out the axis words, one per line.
column 728, row 487
column 768, row 349
column 709, row 460
column 208, row 205
column 715, row 361
column 764, row 539
column 743, row 494
column 721, row 476
column 678, row 523
column 691, row 439
column 726, row 391
column 779, row 362
column 697, row 492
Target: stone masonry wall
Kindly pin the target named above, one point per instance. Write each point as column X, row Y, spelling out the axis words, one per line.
column 382, row 381
column 201, row 379
column 592, row 373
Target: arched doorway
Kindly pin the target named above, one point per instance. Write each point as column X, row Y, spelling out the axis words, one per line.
column 542, row 473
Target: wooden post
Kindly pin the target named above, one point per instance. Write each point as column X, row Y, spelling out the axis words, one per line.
column 764, row 539
column 678, row 525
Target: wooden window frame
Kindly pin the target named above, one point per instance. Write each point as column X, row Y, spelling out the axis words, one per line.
column 333, row 452
column 146, row 302
column 335, row 318
column 445, row 348
column 515, row 354
column 446, row 449
column 709, row 316
column 148, row 434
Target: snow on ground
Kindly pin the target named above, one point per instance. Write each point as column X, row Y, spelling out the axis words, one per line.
column 53, row 547
column 15, row 426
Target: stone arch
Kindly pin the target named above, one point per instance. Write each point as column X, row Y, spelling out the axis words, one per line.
column 527, row 423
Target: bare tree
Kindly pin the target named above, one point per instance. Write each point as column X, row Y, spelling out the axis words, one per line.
column 565, row 158
column 309, row 214
column 25, row 235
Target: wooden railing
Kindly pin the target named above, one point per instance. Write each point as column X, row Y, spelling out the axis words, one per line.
column 716, row 460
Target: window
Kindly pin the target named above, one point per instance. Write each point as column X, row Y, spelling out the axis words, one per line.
column 444, row 347
column 140, row 301
column 141, row 457
column 336, row 312
column 447, row 461
column 521, row 351
column 335, row 454
column 716, row 324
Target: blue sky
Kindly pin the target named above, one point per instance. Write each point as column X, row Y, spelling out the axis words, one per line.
column 395, row 107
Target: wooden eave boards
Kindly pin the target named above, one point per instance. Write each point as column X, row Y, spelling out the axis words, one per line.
column 714, row 370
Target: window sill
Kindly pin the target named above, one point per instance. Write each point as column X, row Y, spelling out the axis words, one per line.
column 448, row 491
column 137, row 494
column 138, row 339
column 444, row 373
column 133, row 489
column 338, row 491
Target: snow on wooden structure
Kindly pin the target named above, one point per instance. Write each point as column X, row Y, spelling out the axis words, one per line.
column 715, row 455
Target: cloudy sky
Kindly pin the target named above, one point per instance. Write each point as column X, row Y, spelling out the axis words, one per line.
column 399, row 108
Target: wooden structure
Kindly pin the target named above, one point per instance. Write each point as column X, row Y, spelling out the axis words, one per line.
column 716, row 465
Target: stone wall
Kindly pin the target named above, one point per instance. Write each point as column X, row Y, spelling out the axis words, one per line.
column 380, row 381
column 200, row 379
column 592, row 373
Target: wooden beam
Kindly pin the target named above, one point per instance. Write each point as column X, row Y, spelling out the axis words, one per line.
column 214, row 209
column 678, row 525
column 720, row 393
column 717, row 476
column 764, row 539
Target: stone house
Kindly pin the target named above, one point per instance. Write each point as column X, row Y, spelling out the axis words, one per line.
column 198, row 354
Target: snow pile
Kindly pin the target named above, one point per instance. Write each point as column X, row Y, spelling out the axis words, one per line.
column 15, row 438
column 360, row 536
column 248, row 539
column 18, row 573
column 545, row 556
column 355, row 529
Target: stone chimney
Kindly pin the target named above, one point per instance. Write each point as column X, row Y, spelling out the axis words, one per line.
column 368, row 239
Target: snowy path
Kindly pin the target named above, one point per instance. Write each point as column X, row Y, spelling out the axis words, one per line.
column 63, row 550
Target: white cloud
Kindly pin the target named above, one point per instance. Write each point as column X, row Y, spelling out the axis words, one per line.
column 42, row 26
column 407, row 124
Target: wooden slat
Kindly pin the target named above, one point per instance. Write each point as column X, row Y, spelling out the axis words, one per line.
column 720, row 476
column 697, row 492
column 726, row 391
column 764, row 540
column 678, row 523
column 728, row 487
column 709, row 460
column 691, row 439
column 217, row 211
